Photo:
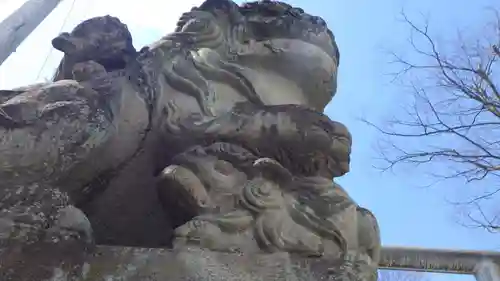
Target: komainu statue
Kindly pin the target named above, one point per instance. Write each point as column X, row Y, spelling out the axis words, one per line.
column 212, row 139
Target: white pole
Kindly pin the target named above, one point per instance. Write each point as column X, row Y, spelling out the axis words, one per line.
column 15, row 28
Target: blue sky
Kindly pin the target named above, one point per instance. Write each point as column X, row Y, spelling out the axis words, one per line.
column 408, row 215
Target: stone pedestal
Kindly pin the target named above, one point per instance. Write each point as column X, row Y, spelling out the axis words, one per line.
column 133, row 264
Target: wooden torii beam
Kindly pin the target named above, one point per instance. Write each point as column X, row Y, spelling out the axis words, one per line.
column 482, row 264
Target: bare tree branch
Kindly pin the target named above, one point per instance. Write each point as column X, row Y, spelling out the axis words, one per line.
column 454, row 116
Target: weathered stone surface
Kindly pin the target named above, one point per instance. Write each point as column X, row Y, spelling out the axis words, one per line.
column 132, row 264
column 210, row 140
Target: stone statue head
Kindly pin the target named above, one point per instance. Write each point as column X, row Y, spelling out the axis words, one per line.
column 245, row 53
column 274, row 37
column 104, row 40
column 261, row 73
column 235, row 95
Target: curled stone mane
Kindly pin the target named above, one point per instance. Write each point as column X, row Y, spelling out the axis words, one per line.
column 221, row 30
column 275, row 13
column 276, row 211
column 198, row 30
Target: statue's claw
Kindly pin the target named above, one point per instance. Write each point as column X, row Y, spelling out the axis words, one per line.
column 73, row 220
column 189, row 192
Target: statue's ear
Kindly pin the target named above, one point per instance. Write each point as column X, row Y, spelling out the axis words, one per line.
column 64, row 43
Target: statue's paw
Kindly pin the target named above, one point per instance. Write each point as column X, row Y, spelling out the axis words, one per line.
column 179, row 187
column 27, row 226
column 71, row 223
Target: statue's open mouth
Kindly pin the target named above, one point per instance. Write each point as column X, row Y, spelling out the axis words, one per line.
column 301, row 139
